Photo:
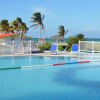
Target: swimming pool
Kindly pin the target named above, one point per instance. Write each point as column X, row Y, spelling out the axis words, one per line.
column 68, row 82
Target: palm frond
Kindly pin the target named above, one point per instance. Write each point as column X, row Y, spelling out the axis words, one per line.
column 36, row 26
column 42, row 17
column 31, row 21
column 66, row 31
column 33, row 25
column 32, row 17
column 42, row 26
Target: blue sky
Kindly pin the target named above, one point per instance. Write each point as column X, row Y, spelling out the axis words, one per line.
column 78, row 16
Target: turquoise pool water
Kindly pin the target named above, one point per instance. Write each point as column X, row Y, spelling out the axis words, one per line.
column 68, row 82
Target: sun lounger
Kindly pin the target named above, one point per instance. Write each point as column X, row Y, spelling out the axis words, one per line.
column 74, row 49
column 53, row 49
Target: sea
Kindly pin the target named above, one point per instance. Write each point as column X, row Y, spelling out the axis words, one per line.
column 92, row 39
column 52, row 40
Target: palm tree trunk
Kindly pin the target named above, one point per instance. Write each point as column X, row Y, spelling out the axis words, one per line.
column 40, row 34
column 21, row 36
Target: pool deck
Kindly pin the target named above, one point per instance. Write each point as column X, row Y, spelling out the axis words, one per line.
column 41, row 54
column 67, row 54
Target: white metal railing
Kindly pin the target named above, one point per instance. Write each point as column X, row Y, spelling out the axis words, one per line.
column 89, row 46
column 17, row 47
column 20, row 47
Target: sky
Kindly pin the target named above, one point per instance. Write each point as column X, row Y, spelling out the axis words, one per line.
column 77, row 16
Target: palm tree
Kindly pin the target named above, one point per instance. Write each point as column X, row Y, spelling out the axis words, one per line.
column 62, row 31
column 11, row 29
column 20, row 27
column 24, row 30
column 15, row 26
column 37, row 20
column 4, row 26
column 19, row 22
column 80, row 36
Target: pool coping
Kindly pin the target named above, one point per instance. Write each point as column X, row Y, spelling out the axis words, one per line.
column 67, row 54
column 41, row 54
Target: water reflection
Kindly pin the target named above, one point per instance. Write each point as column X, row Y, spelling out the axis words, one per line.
column 67, row 76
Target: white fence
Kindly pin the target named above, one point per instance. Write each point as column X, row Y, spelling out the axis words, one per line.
column 17, row 47
column 89, row 47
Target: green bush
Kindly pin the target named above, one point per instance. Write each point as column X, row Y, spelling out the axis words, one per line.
column 45, row 46
column 60, row 47
column 74, row 40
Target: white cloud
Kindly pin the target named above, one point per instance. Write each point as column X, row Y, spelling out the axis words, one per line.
column 91, row 29
column 44, row 11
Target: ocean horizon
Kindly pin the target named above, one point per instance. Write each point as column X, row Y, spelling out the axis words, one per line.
column 65, row 39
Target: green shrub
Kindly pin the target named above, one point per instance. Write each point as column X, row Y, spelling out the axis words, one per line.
column 45, row 46
column 74, row 40
column 60, row 47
